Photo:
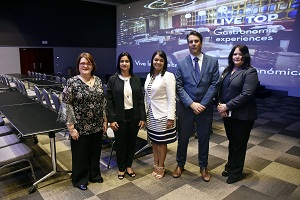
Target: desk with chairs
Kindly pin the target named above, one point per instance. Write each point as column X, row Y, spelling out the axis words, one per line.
column 20, row 76
column 4, row 87
column 5, row 80
column 52, row 76
column 56, row 89
column 31, row 118
column 44, row 83
column 14, row 98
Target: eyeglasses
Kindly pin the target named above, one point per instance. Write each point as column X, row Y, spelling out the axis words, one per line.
column 85, row 64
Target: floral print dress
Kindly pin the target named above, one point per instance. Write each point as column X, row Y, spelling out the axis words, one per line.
column 83, row 106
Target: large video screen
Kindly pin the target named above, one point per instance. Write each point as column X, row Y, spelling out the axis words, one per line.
column 265, row 26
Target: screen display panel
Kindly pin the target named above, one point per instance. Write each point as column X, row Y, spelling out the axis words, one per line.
column 265, row 26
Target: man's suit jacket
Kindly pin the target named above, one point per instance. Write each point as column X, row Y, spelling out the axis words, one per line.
column 188, row 90
column 162, row 98
column 242, row 87
column 115, row 99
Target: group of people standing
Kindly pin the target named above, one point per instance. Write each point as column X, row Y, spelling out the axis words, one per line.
column 127, row 107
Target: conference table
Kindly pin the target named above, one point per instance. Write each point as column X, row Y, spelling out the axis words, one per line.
column 14, row 98
column 4, row 87
column 53, row 76
column 44, row 83
column 31, row 118
column 20, row 76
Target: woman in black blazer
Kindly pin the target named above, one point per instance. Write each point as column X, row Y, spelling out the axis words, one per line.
column 237, row 106
column 126, row 112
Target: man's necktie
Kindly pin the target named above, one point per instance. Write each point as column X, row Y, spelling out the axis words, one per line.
column 197, row 69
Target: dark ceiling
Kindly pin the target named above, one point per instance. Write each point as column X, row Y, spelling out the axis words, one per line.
column 112, row 2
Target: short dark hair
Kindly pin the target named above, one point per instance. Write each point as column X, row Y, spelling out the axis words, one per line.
column 246, row 56
column 90, row 58
column 196, row 34
column 164, row 56
column 130, row 61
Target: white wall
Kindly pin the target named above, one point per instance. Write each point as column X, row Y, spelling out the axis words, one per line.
column 10, row 60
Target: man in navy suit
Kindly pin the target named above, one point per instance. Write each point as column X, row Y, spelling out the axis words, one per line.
column 197, row 80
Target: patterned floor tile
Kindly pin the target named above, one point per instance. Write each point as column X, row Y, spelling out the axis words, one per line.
column 294, row 151
column 256, row 163
column 295, row 195
column 278, row 146
column 272, row 166
column 289, row 160
column 126, row 191
column 286, row 139
column 294, row 127
column 283, row 172
column 271, row 186
column 264, row 153
column 246, row 193
column 188, row 192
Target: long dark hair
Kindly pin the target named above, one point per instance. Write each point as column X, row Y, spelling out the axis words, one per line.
column 130, row 60
column 164, row 56
column 246, row 57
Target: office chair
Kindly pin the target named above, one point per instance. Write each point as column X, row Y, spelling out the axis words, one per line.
column 58, row 80
column 25, row 91
column 104, row 88
column 1, row 121
column 18, row 87
column 47, row 99
column 13, row 155
column 38, row 95
column 111, row 138
column 64, row 81
column 44, row 76
column 5, row 130
column 56, row 101
column 8, row 140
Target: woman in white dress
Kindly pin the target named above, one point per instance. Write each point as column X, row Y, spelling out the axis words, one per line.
column 160, row 103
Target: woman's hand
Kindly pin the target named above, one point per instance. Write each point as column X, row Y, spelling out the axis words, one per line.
column 114, row 126
column 170, row 123
column 222, row 107
column 141, row 124
column 223, row 114
column 74, row 134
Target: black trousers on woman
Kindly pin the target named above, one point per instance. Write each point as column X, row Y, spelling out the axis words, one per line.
column 125, row 138
column 86, row 153
column 238, row 132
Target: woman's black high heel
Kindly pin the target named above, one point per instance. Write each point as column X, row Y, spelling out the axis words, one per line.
column 121, row 176
column 132, row 175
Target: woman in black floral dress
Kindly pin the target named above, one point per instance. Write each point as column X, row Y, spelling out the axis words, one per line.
column 84, row 111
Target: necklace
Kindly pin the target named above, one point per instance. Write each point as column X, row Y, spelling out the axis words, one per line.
column 153, row 77
column 86, row 81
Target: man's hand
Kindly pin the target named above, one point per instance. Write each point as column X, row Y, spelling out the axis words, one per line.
column 197, row 107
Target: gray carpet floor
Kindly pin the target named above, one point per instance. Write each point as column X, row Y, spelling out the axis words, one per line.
column 272, row 167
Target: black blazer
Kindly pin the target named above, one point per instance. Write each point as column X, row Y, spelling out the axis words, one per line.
column 115, row 99
column 242, row 87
